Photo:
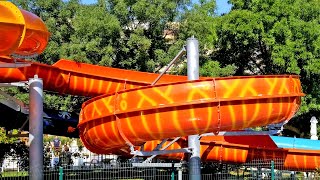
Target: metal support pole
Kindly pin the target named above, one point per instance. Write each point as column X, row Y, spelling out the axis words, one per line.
column 149, row 159
column 36, row 128
column 178, row 56
column 193, row 140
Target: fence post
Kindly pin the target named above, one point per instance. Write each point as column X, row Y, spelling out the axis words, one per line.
column 172, row 172
column 272, row 170
column 60, row 173
column 180, row 174
column 172, row 175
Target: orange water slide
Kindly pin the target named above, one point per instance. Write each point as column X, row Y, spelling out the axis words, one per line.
column 165, row 110
column 278, row 94
column 69, row 77
column 21, row 32
column 134, row 112
column 148, row 108
column 242, row 149
column 134, row 116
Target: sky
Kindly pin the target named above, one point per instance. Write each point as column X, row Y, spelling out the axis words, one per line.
column 222, row 5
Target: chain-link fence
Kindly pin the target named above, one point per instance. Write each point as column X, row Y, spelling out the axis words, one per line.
column 112, row 169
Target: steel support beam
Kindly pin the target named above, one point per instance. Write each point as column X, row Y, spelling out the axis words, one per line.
column 161, row 144
column 15, row 84
column 193, row 140
column 238, row 133
column 160, row 152
column 13, row 103
column 15, row 65
column 162, row 149
column 178, row 56
column 176, row 165
column 36, row 128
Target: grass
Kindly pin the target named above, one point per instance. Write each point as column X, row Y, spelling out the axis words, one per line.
column 14, row 173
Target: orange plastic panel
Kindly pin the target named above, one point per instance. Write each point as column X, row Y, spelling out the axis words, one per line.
column 180, row 109
column 22, row 33
column 12, row 27
column 36, row 36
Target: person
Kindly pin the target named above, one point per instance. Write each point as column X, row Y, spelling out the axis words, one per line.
column 66, row 147
column 56, row 145
column 65, row 156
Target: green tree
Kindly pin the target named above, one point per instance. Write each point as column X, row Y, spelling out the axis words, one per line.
column 200, row 21
column 239, row 33
column 142, row 44
column 4, row 139
column 12, row 147
column 94, row 44
column 274, row 37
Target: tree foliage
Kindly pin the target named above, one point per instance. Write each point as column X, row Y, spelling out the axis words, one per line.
column 274, row 37
column 12, row 147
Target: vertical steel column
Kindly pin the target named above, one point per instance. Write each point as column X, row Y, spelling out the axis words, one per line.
column 36, row 128
column 193, row 140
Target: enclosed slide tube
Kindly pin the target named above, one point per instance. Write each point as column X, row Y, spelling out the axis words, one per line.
column 21, row 32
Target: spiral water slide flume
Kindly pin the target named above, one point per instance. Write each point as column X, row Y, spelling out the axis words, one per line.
column 134, row 116
column 127, row 110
